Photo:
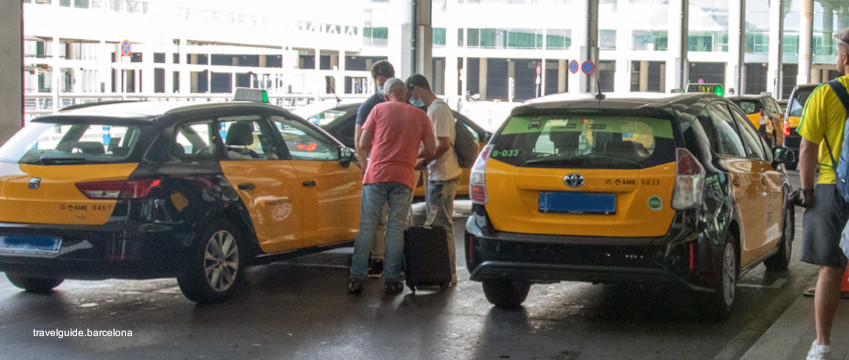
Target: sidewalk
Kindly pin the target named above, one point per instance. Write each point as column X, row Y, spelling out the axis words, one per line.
column 791, row 335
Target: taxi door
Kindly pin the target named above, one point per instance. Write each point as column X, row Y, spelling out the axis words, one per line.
column 745, row 187
column 267, row 183
column 769, row 198
column 330, row 189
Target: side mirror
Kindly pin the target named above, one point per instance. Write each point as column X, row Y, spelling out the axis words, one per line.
column 783, row 155
column 346, row 156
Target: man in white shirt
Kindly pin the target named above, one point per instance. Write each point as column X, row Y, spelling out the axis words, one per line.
column 443, row 169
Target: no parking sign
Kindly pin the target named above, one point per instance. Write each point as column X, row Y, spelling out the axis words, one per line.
column 126, row 48
column 588, row 67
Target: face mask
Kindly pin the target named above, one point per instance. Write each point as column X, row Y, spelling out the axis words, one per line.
column 417, row 102
column 380, row 90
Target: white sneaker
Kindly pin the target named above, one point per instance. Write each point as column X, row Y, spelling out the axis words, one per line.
column 819, row 352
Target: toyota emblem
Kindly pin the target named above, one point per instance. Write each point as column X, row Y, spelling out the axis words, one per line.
column 574, row 180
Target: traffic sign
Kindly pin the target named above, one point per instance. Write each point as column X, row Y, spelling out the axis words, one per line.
column 539, row 70
column 588, row 67
column 126, row 48
column 573, row 66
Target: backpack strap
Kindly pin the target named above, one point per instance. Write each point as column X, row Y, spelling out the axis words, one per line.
column 841, row 93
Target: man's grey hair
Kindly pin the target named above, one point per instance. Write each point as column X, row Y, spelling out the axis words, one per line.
column 396, row 87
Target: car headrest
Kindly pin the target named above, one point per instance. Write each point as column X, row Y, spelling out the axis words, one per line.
column 240, row 133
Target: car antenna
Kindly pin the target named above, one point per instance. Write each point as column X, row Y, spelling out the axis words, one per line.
column 600, row 96
column 333, row 90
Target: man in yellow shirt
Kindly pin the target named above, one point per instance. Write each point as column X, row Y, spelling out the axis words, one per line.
column 825, row 211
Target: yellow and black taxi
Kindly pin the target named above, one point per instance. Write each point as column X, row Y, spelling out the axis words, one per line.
column 793, row 115
column 765, row 114
column 339, row 121
column 674, row 189
column 163, row 189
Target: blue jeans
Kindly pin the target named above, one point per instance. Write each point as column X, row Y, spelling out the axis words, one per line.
column 375, row 196
column 440, row 194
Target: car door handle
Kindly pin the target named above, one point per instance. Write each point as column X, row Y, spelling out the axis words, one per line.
column 763, row 181
column 308, row 183
column 247, row 186
column 735, row 182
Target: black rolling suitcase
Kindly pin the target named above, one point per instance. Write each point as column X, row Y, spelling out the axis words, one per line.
column 426, row 261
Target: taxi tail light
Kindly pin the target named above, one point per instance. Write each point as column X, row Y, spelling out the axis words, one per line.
column 126, row 189
column 477, row 177
column 689, row 181
column 786, row 128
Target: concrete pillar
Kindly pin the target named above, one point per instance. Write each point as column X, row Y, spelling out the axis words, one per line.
column 452, row 77
column 11, row 60
column 817, row 76
column 677, row 65
column 482, row 78
column 806, row 27
column 511, row 80
column 622, row 67
column 187, row 80
column 317, row 58
column 581, row 38
column 148, row 78
column 193, row 88
column 776, row 32
column 424, row 39
column 562, row 73
column 56, row 73
column 340, row 73
column 734, row 70
column 644, row 76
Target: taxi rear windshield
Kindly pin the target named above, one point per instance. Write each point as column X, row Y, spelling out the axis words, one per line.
column 65, row 144
column 797, row 103
column 588, row 141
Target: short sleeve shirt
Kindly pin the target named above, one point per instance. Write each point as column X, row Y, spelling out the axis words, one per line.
column 823, row 117
column 366, row 106
column 397, row 128
column 442, row 120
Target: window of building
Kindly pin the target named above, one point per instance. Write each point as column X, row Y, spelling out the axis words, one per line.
column 757, row 42
column 474, row 37
column 524, row 39
column 558, row 39
column 607, row 39
column 376, row 36
column 439, row 37
column 651, row 40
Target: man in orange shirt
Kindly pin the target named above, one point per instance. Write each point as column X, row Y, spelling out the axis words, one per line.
column 391, row 135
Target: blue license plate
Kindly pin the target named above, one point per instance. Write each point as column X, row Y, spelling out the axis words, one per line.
column 30, row 244
column 577, row 203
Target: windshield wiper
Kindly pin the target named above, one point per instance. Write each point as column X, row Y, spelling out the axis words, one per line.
column 556, row 159
column 59, row 160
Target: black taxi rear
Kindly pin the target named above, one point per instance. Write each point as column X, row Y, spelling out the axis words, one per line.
column 148, row 190
column 677, row 190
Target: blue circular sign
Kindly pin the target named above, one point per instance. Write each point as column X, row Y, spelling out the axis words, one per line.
column 588, row 67
column 573, row 66
column 126, row 48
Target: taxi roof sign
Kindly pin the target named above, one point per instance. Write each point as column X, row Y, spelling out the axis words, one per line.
column 714, row 88
column 250, row 94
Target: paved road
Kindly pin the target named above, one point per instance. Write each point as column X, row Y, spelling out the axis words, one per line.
column 299, row 310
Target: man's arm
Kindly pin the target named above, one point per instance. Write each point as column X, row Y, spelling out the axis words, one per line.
column 364, row 148
column 358, row 131
column 808, row 159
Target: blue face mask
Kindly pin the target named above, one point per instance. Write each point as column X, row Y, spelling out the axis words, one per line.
column 417, row 102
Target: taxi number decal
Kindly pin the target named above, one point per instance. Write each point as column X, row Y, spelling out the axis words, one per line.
column 650, row 182
column 70, row 207
column 101, row 208
column 618, row 182
column 505, row 153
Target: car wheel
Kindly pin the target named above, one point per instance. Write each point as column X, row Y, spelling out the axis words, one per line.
column 214, row 268
column 506, row 293
column 718, row 304
column 34, row 284
column 781, row 259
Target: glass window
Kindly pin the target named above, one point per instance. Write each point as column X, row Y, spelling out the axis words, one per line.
column 194, row 141
column 725, row 141
column 607, row 39
column 474, row 37
column 558, row 39
column 247, row 137
column 52, row 143
column 754, row 144
column 589, row 141
column 304, row 142
column 439, row 37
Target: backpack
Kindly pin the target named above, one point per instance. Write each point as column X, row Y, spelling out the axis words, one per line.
column 465, row 145
column 841, row 171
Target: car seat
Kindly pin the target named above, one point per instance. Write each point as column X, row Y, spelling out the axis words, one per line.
column 239, row 137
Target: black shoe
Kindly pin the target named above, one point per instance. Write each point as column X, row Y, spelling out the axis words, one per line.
column 375, row 268
column 393, row 287
column 355, row 286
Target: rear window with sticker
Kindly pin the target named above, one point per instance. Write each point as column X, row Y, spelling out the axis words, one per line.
column 589, row 141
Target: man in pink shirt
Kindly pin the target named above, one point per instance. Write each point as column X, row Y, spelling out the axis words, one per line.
column 390, row 137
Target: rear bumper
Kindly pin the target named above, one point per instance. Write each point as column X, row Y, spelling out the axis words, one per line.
column 492, row 254
column 130, row 251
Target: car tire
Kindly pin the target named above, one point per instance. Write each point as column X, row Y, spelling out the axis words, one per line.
column 781, row 259
column 506, row 294
column 34, row 284
column 718, row 304
column 214, row 269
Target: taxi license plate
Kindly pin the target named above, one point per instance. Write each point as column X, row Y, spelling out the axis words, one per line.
column 577, row 203
column 30, row 244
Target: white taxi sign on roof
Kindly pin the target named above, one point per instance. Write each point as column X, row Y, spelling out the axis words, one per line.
column 249, row 94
